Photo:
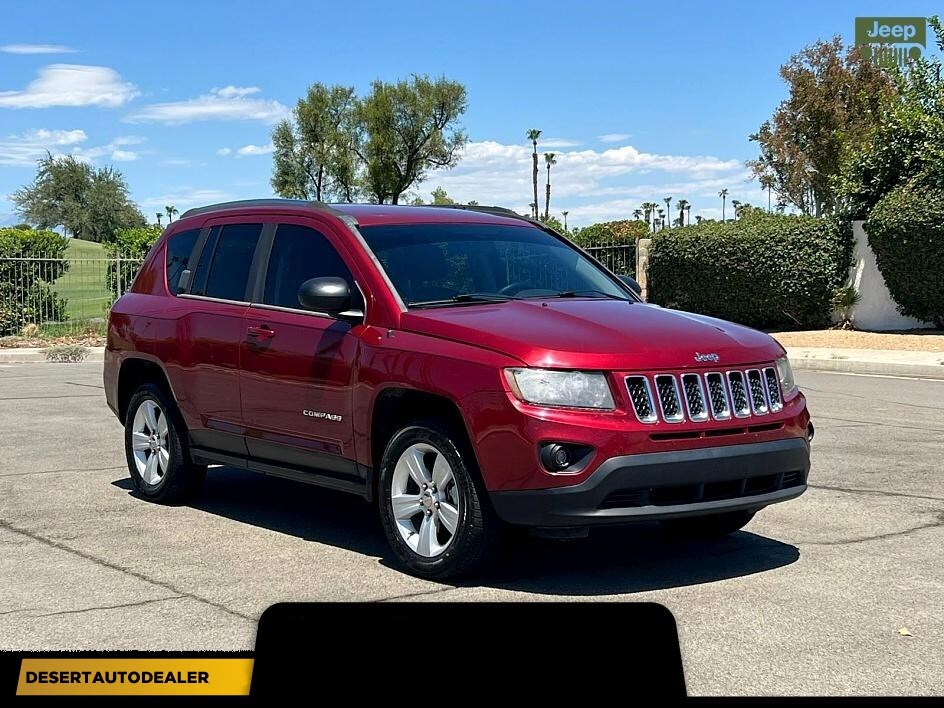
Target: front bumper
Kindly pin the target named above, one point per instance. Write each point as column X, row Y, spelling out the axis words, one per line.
column 663, row 485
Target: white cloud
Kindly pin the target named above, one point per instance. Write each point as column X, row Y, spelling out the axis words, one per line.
column 613, row 137
column 37, row 49
column 229, row 103
column 123, row 155
column 224, row 151
column 72, row 85
column 114, row 150
column 247, row 150
column 26, row 149
column 558, row 143
column 185, row 197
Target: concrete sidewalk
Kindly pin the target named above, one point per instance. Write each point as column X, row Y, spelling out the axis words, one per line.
column 925, row 365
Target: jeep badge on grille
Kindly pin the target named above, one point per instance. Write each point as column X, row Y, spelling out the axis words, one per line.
column 712, row 357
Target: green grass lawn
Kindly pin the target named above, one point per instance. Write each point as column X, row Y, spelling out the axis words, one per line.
column 83, row 285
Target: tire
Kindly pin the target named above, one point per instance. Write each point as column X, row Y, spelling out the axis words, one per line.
column 708, row 526
column 424, row 542
column 171, row 478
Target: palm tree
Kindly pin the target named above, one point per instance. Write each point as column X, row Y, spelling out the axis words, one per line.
column 668, row 208
column 637, row 213
column 737, row 205
column 682, row 206
column 565, row 213
column 171, row 210
column 549, row 159
column 533, row 136
column 159, row 217
column 688, row 212
column 698, row 218
column 724, row 196
column 767, row 182
column 661, row 212
column 649, row 208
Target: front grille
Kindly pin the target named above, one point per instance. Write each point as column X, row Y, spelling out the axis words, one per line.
column 699, row 397
column 670, row 495
column 669, row 400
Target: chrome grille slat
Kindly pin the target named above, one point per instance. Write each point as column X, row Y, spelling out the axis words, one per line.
column 670, row 402
column 640, row 394
column 718, row 395
column 694, row 397
column 739, row 402
column 756, row 392
column 773, row 389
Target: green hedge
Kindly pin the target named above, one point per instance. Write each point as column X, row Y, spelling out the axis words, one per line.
column 764, row 271
column 133, row 245
column 29, row 262
column 906, row 232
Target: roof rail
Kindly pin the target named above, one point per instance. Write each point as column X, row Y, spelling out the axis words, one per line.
column 496, row 210
column 321, row 206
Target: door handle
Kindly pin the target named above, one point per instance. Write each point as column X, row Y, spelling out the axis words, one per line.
column 261, row 332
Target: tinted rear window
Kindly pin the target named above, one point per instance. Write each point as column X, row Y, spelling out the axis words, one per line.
column 230, row 261
column 179, row 247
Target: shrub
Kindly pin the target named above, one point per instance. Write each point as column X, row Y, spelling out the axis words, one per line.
column 906, row 232
column 613, row 243
column 66, row 353
column 29, row 262
column 765, row 271
column 130, row 246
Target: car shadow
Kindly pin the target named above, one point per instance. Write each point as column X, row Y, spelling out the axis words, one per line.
column 614, row 560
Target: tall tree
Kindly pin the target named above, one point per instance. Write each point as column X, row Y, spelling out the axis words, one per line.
column 668, row 208
column 836, row 98
column 682, row 206
column 315, row 152
column 440, row 197
column 549, row 159
column 688, row 212
column 533, row 136
column 661, row 212
column 159, row 216
column 565, row 213
column 724, row 197
column 88, row 203
column 736, row 204
column 767, row 182
column 406, row 129
column 171, row 211
column 637, row 214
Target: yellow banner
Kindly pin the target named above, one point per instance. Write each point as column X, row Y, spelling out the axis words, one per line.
column 135, row 677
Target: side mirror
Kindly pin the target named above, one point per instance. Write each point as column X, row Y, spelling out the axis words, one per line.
column 631, row 284
column 331, row 295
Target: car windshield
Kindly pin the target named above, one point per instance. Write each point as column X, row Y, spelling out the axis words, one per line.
column 453, row 264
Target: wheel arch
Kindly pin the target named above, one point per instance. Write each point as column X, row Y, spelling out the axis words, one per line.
column 134, row 372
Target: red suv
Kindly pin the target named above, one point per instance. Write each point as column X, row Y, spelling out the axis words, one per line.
column 466, row 369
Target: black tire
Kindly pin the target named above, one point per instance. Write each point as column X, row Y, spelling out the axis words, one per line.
column 708, row 526
column 182, row 481
column 479, row 532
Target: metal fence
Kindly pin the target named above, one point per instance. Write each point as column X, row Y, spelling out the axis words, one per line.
column 51, row 297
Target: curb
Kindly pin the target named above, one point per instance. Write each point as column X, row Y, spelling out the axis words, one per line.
column 879, row 368
column 31, row 355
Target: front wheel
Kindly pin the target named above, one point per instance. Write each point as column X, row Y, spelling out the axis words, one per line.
column 436, row 517
column 707, row 526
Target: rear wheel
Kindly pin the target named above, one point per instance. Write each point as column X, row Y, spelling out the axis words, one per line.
column 436, row 516
column 158, row 461
column 707, row 526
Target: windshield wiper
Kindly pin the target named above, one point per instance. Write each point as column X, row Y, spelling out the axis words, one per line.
column 464, row 299
column 579, row 293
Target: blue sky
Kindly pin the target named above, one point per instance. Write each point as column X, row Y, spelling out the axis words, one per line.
column 640, row 100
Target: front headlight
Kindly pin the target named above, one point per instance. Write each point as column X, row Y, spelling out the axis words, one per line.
column 573, row 389
column 786, row 376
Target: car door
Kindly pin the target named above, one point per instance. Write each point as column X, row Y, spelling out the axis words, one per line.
column 298, row 366
column 211, row 332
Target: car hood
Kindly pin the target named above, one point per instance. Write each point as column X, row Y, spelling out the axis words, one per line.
column 596, row 334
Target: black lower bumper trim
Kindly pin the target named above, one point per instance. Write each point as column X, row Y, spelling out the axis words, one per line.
column 662, row 485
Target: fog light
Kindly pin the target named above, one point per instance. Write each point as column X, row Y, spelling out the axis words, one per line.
column 555, row 457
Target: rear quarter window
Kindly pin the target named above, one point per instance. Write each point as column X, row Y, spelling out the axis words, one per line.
column 179, row 248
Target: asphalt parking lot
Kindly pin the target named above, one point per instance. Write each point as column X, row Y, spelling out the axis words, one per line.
column 810, row 599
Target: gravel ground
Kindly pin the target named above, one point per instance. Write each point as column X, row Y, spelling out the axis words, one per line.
column 929, row 340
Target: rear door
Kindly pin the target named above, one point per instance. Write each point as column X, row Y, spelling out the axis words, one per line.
column 210, row 334
column 298, row 366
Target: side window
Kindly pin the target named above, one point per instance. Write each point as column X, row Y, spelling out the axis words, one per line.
column 179, row 247
column 300, row 253
column 223, row 271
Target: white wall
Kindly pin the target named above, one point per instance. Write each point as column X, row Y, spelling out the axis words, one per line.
column 876, row 309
